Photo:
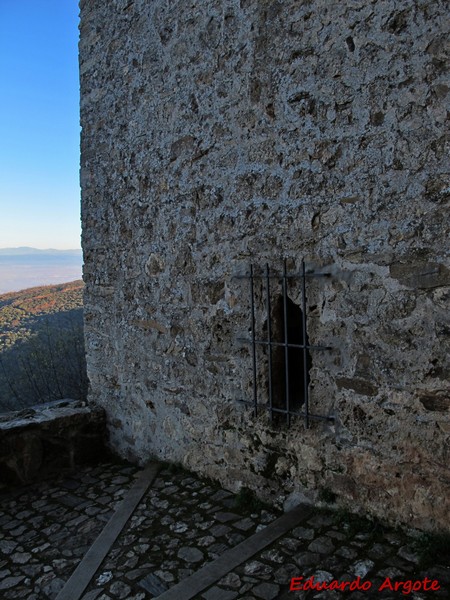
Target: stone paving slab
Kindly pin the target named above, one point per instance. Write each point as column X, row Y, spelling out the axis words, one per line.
column 81, row 577
column 181, row 524
column 232, row 558
column 329, row 548
column 47, row 528
column 185, row 523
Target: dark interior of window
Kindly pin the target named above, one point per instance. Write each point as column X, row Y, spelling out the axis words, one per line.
column 289, row 380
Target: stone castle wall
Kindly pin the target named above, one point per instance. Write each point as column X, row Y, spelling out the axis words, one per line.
column 219, row 134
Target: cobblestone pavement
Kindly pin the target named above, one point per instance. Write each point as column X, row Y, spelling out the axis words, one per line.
column 46, row 529
column 181, row 524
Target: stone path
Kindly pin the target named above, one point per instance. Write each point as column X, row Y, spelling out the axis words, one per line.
column 46, row 529
column 182, row 524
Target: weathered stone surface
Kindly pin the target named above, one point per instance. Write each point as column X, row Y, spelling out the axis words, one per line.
column 10, row 582
column 143, row 560
column 267, row 591
column 421, row 275
column 21, row 557
column 218, row 134
column 190, row 555
column 7, row 546
column 321, row 545
column 49, row 437
column 439, row 401
column 362, row 567
column 364, row 388
column 216, row 593
column 120, row 590
column 256, row 568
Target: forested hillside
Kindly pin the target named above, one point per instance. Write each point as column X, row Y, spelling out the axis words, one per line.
column 41, row 345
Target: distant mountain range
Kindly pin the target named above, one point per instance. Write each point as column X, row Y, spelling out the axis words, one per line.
column 25, row 250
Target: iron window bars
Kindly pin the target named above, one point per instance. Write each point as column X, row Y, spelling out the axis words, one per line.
column 270, row 343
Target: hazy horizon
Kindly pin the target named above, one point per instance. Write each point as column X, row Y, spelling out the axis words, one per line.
column 26, row 270
column 35, row 248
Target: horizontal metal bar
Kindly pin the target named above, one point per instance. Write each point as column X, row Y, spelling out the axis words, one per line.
column 283, row 344
column 290, row 412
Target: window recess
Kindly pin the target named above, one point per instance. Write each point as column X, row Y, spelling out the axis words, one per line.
column 281, row 345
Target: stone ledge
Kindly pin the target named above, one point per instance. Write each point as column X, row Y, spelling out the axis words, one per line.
column 42, row 440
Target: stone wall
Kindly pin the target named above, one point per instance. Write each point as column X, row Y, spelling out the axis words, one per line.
column 46, row 439
column 219, row 134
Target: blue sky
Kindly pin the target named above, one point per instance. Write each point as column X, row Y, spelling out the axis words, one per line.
column 39, row 124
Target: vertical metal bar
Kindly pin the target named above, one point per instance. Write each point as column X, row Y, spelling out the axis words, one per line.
column 252, row 303
column 305, row 349
column 286, row 347
column 269, row 339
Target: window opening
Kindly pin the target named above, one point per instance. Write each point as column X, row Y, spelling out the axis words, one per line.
column 289, row 383
column 286, row 345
